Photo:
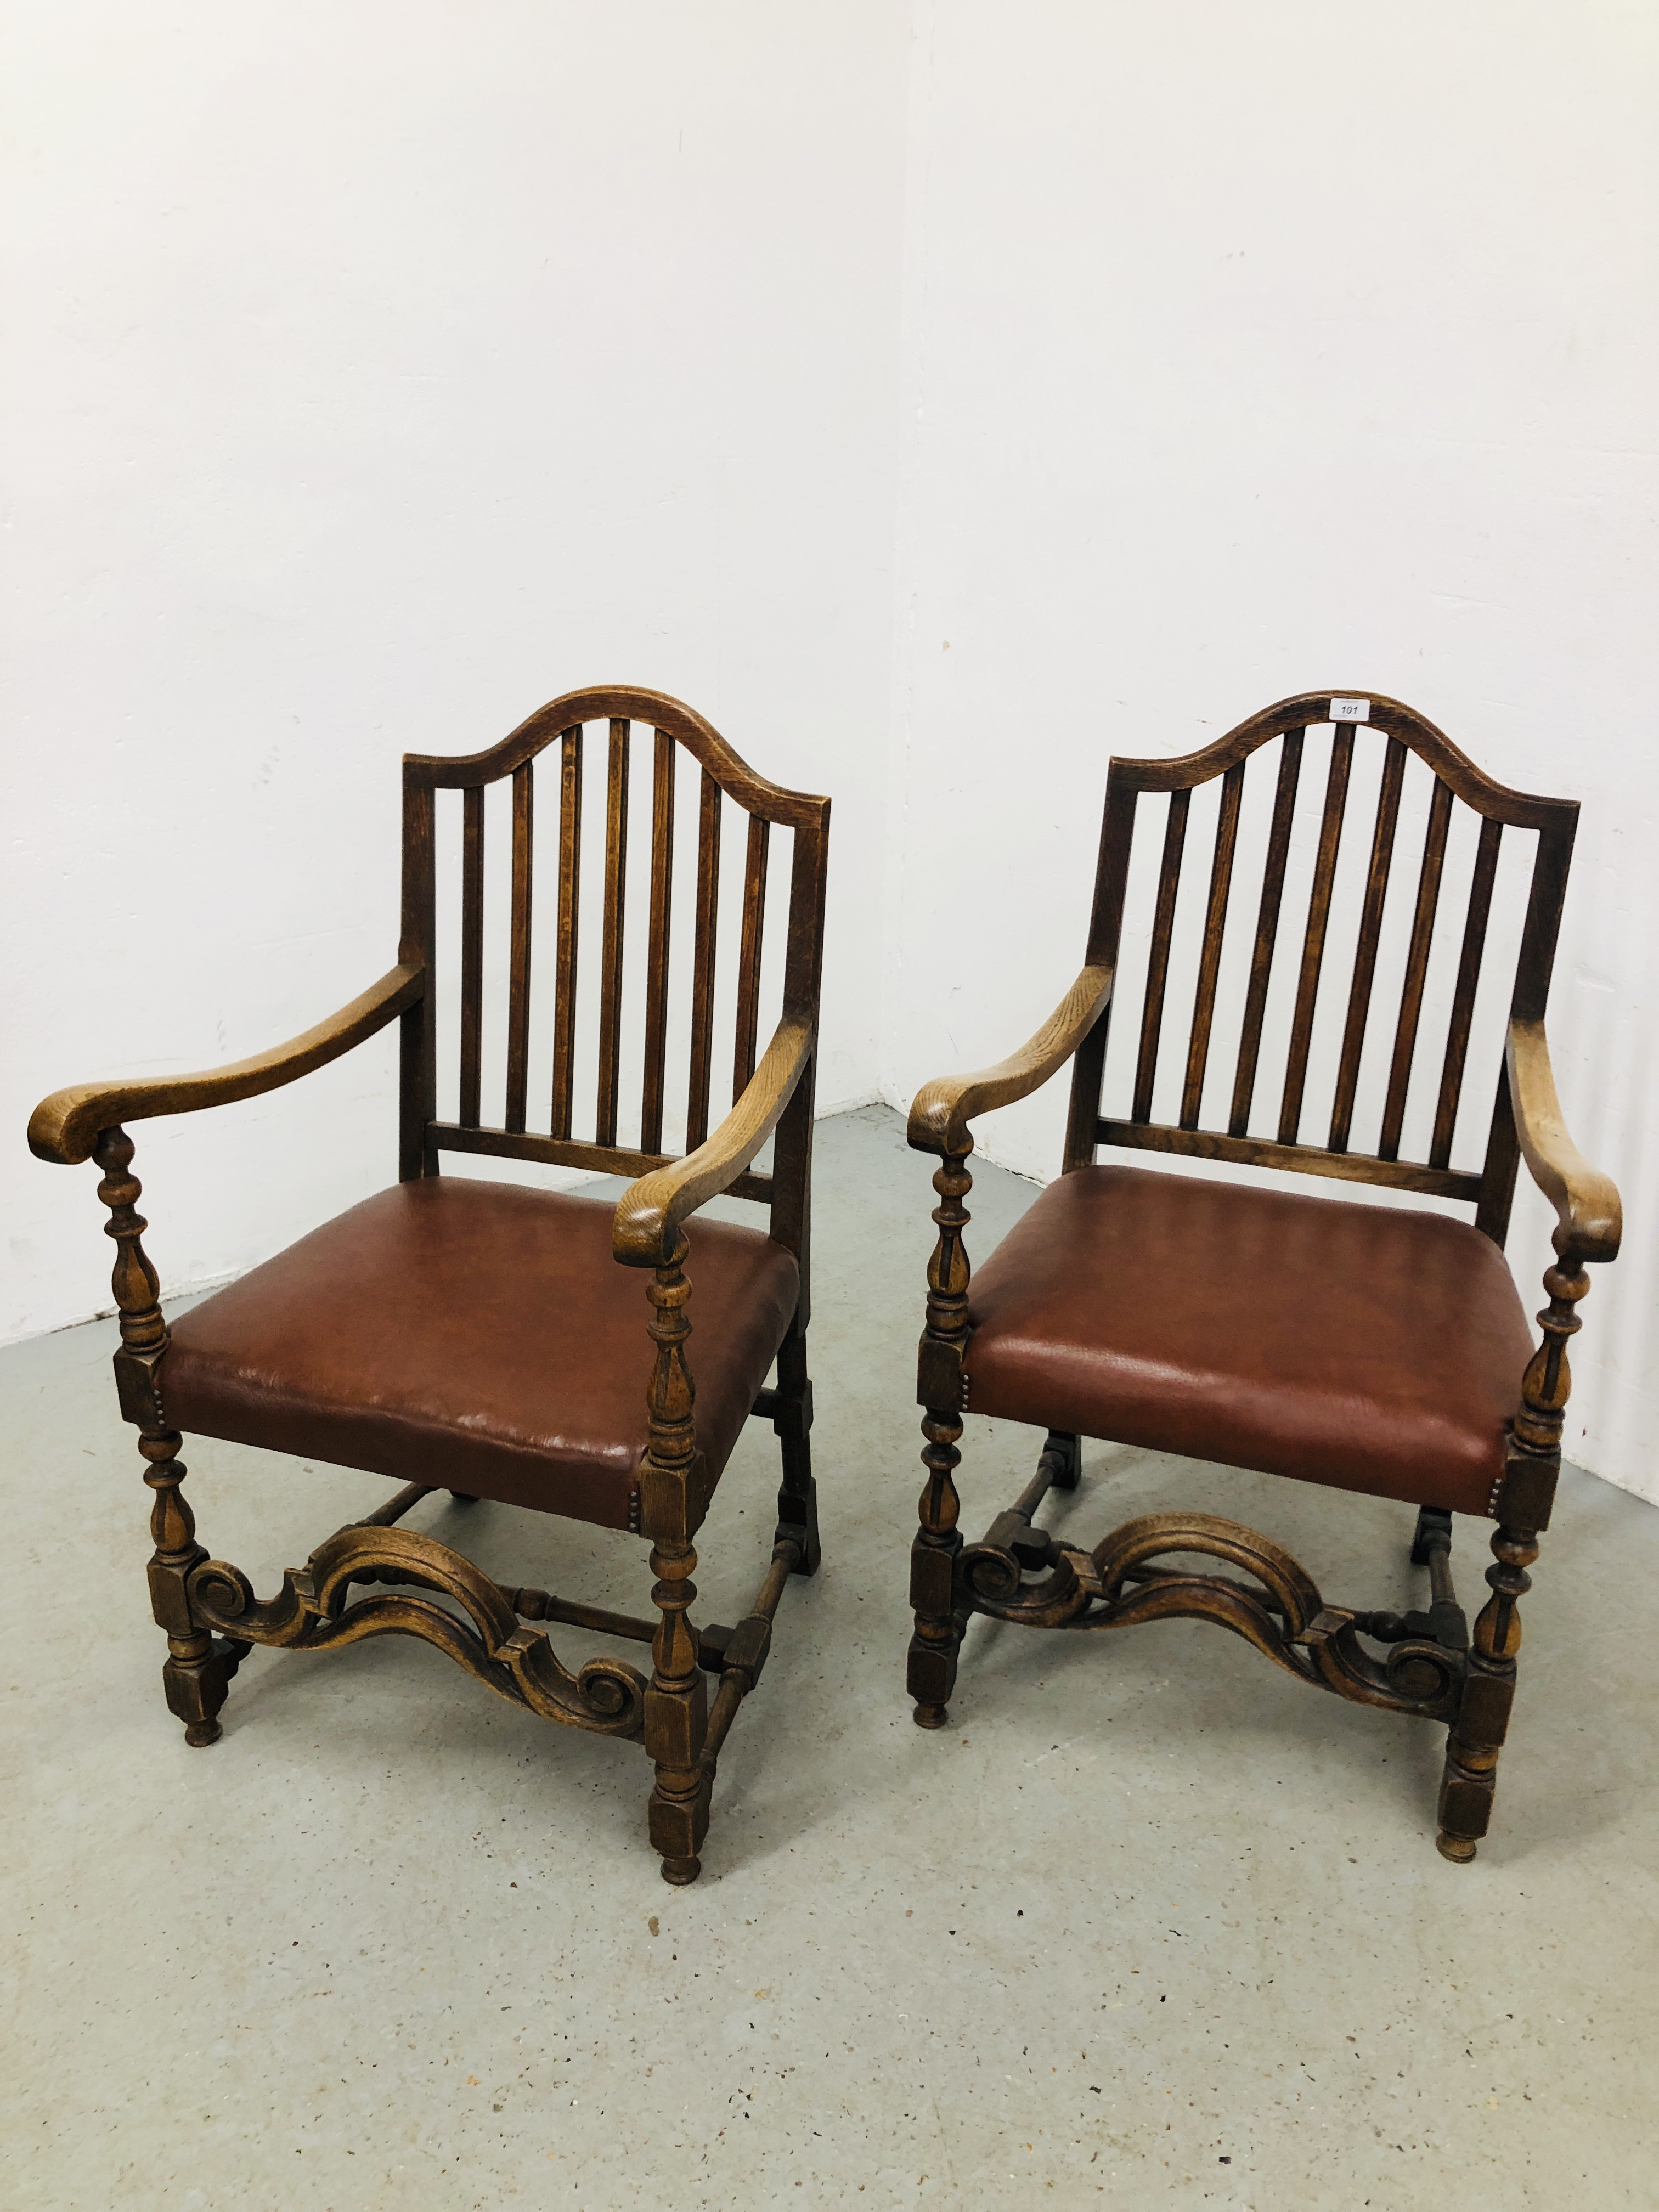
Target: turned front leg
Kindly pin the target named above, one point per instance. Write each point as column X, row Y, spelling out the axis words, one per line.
column 676, row 1718
column 197, row 1674
column 1476, row 1736
column 676, row 1703
column 1523, row 1502
column 932, row 1671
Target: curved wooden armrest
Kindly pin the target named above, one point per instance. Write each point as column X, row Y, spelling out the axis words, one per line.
column 66, row 1125
column 650, row 1211
column 943, row 1108
column 1590, row 1217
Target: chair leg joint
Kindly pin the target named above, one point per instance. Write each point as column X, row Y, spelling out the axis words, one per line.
column 798, row 1526
column 197, row 1683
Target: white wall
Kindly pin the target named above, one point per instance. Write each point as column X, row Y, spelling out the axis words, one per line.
column 374, row 373
column 1249, row 349
column 380, row 372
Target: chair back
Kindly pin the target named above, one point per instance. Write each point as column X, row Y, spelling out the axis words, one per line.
column 566, row 1062
column 1418, row 960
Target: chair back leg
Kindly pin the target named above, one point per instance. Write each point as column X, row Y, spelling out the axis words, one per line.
column 797, row 1497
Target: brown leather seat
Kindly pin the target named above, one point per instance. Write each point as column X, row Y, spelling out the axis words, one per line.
column 480, row 1337
column 1364, row 1346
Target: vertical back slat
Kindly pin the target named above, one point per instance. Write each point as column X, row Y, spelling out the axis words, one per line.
column 656, row 980
column 1469, row 976
column 803, row 970
column 1529, row 994
column 473, row 830
column 1158, row 966
column 1266, row 931
column 1313, row 942
column 1115, row 851
column 702, row 962
column 1215, row 924
column 749, row 953
column 518, row 1001
column 1370, row 927
column 1417, row 969
column 611, row 958
column 570, row 861
column 417, row 1028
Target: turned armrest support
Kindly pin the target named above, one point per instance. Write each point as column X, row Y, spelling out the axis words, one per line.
column 66, row 1126
column 650, row 1211
column 944, row 1108
column 1590, row 1220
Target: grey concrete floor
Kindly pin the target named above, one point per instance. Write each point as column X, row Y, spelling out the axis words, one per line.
column 1150, row 1923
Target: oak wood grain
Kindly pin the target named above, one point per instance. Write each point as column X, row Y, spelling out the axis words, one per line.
column 472, row 907
column 942, row 1109
column 1469, row 959
column 1417, row 967
column 649, row 1215
column 1157, row 957
column 1588, row 1212
column 1266, row 932
column 703, row 948
column 611, row 957
column 750, row 951
column 662, row 905
column 1215, row 924
column 65, row 1126
column 1313, row 937
column 568, row 945
column 1370, row 927
column 518, row 998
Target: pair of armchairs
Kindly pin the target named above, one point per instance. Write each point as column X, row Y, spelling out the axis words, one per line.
column 477, row 1337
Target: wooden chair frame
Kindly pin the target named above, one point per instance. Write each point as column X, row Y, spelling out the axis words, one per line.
column 1019, row 1573
column 207, row 1608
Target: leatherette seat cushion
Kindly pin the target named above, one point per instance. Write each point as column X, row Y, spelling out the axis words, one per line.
column 1366, row 1346
column 479, row 1336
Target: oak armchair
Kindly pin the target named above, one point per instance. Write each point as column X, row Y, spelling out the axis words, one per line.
column 482, row 1337
column 1374, row 1349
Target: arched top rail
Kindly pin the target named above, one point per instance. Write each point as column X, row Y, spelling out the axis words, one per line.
column 622, row 703
column 1521, row 810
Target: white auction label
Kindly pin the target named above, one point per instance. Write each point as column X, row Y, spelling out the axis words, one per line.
column 1351, row 710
